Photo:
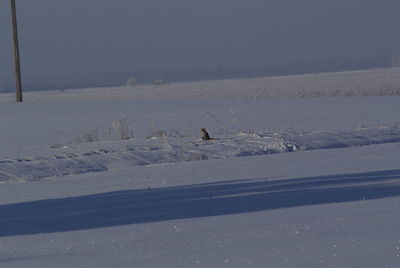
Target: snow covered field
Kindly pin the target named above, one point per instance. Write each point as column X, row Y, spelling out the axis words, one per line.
column 373, row 82
column 114, row 178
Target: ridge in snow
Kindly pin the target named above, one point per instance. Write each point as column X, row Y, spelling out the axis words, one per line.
column 174, row 150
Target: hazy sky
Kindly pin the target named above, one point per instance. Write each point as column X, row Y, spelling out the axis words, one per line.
column 73, row 36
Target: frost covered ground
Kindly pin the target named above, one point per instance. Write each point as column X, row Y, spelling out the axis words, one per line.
column 104, row 178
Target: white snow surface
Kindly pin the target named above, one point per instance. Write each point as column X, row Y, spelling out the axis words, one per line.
column 373, row 82
column 127, row 182
column 174, row 150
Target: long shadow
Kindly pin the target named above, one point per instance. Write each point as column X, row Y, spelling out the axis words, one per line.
column 191, row 201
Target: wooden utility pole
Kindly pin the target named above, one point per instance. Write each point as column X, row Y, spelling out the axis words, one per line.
column 16, row 53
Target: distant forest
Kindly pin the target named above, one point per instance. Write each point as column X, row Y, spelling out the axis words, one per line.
column 102, row 79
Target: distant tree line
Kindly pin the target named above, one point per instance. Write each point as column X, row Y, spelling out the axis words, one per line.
column 101, row 79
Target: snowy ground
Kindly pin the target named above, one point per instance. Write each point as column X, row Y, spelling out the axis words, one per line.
column 374, row 82
column 127, row 183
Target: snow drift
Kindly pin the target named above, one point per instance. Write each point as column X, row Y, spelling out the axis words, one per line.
column 172, row 150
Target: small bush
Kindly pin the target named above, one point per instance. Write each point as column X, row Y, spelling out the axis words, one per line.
column 122, row 127
column 131, row 81
column 90, row 136
column 160, row 82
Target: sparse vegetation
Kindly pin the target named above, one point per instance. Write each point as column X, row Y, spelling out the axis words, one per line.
column 131, row 81
column 122, row 128
column 87, row 137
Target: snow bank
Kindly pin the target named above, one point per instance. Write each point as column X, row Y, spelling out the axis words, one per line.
column 174, row 150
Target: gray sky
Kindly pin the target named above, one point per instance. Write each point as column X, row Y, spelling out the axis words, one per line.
column 74, row 36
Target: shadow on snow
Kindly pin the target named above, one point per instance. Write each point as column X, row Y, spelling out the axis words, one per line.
column 191, row 201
